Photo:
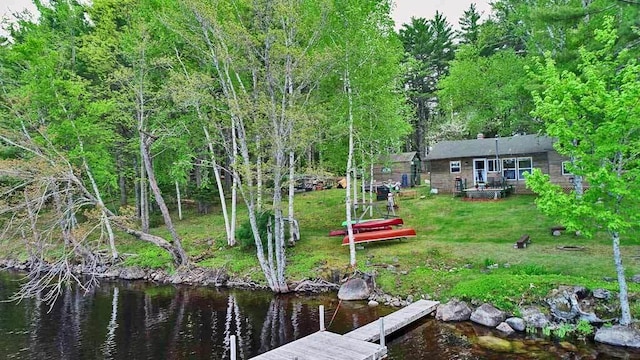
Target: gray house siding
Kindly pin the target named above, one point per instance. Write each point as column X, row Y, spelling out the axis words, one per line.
column 443, row 180
column 538, row 148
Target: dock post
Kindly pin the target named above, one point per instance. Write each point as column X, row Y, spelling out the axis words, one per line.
column 382, row 343
column 322, row 318
column 232, row 340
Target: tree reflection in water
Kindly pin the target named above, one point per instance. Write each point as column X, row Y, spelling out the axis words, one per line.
column 233, row 320
column 109, row 346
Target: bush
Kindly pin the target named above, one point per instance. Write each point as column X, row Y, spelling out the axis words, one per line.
column 151, row 257
column 530, row 269
column 244, row 234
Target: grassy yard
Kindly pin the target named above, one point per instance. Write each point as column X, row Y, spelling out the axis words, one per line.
column 451, row 256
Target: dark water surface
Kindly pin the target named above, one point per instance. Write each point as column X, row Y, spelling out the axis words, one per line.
column 129, row 320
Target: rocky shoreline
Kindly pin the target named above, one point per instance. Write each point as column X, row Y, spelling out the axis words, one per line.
column 567, row 311
column 566, row 307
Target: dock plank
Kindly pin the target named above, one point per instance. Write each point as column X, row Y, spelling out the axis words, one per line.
column 394, row 321
column 324, row 345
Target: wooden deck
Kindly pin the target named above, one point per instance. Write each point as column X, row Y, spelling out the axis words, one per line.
column 488, row 193
column 394, row 321
column 356, row 345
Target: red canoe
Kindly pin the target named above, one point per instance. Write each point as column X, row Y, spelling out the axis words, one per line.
column 343, row 232
column 372, row 225
column 378, row 223
column 380, row 235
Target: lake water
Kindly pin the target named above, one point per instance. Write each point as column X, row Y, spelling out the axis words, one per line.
column 134, row 320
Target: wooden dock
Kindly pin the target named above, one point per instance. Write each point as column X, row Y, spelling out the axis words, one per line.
column 355, row 345
column 325, row 345
column 394, row 321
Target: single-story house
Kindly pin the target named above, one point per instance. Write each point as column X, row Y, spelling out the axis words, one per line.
column 490, row 161
column 403, row 168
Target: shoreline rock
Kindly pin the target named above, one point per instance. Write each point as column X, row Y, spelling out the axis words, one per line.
column 488, row 315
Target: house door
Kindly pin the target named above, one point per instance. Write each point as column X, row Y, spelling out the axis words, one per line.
column 479, row 171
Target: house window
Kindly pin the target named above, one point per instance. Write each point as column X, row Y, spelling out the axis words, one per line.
column 515, row 168
column 524, row 167
column 454, row 166
column 565, row 168
column 493, row 165
column 509, row 169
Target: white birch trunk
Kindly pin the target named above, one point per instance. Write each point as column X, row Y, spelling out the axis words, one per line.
column 223, row 201
column 259, row 175
column 234, row 186
column 182, row 256
column 179, row 200
column 352, row 245
column 363, row 193
column 625, row 319
column 144, row 194
column 292, row 230
column 371, row 189
column 617, row 256
column 354, row 187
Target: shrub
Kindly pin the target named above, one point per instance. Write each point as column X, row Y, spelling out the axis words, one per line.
column 151, row 257
column 244, row 234
column 530, row 269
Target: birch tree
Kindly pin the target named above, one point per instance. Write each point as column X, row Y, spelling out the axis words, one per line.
column 368, row 72
column 594, row 114
column 261, row 56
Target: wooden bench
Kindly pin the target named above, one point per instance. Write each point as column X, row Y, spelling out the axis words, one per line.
column 522, row 242
column 557, row 230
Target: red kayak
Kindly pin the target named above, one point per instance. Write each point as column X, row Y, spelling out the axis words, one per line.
column 373, row 225
column 343, row 232
column 378, row 223
column 380, row 235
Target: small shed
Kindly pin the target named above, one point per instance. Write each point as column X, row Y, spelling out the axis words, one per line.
column 403, row 168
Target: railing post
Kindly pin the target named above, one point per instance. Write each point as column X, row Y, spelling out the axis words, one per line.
column 322, row 318
column 232, row 340
column 382, row 343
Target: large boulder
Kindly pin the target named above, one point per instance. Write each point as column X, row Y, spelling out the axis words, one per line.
column 488, row 315
column 618, row 335
column 354, row 289
column 454, row 310
column 534, row 318
column 217, row 277
column 132, row 273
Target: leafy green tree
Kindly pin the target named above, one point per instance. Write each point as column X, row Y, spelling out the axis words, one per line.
column 491, row 94
column 266, row 62
column 594, row 114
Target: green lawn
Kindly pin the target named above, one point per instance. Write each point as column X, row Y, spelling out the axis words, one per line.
column 449, row 257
